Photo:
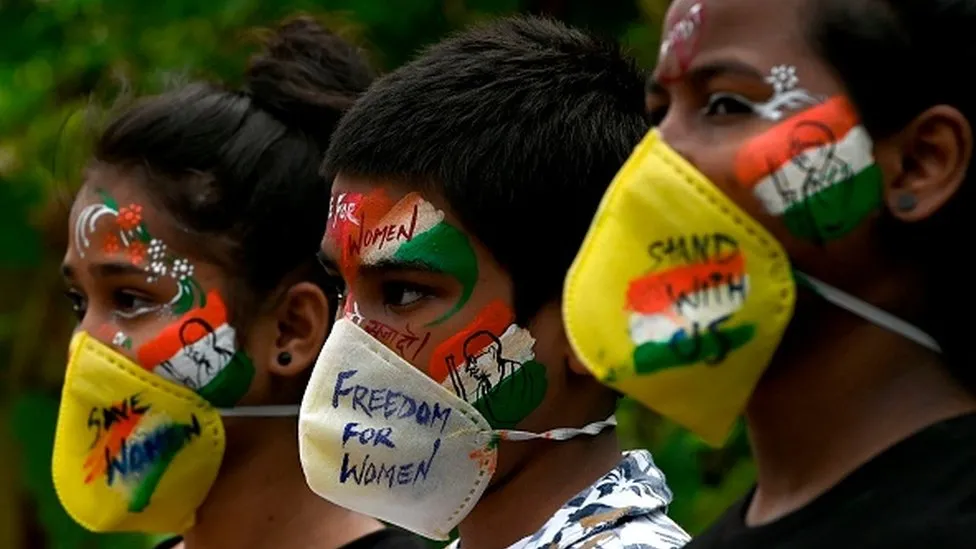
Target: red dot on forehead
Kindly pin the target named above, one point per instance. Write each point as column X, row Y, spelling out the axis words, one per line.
column 679, row 46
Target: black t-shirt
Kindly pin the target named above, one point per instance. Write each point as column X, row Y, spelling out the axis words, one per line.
column 388, row 538
column 919, row 494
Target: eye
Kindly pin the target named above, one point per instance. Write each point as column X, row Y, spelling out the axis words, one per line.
column 403, row 294
column 79, row 303
column 723, row 104
column 129, row 304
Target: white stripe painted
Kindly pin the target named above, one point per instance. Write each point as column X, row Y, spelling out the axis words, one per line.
column 472, row 381
column 198, row 364
column 785, row 187
column 714, row 303
column 427, row 217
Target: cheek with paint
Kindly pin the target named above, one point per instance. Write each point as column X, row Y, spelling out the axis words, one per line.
column 402, row 340
column 107, row 333
column 815, row 171
column 491, row 364
column 199, row 350
column 370, row 229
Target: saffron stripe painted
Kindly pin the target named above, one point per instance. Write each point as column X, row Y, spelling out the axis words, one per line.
column 494, row 318
column 792, row 184
column 188, row 329
column 656, row 292
column 516, row 345
column 812, row 128
column 702, row 308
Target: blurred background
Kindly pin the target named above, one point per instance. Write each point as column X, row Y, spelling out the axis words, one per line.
column 59, row 56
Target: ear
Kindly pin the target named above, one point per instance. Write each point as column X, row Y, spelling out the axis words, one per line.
column 930, row 157
column 303, row 322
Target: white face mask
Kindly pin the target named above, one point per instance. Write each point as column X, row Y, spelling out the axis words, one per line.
column 379, row 437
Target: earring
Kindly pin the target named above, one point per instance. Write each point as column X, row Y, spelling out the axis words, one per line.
column 906, row 202
column 284, row 358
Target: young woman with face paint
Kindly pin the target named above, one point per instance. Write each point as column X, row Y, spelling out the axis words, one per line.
column 201, row 308
column 783, row 245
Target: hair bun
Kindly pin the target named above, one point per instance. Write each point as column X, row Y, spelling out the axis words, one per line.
column 306, row 76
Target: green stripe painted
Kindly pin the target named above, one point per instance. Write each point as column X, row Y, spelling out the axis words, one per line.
column 837, row 210
column 174, row 438
column 447, row 249
column 231, row 384
column 517, row 396
column 653, row 356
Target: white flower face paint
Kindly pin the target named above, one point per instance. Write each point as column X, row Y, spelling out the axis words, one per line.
column 787, row 95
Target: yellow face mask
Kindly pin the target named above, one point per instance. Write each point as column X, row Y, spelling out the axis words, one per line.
column 133, row 451
column 677, row 297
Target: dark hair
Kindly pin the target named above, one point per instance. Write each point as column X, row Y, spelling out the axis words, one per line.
column 240, row 168
column 870, row 43
column 520, row 125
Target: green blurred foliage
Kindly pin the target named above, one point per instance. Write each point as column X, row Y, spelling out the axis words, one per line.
column 57, row 56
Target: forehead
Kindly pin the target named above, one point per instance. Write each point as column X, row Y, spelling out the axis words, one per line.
column 361, row 202
column 120, row 189
column 752, row 30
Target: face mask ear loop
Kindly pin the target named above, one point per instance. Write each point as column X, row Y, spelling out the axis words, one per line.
column 260, row 411
column 866, row 311
column 592, row 429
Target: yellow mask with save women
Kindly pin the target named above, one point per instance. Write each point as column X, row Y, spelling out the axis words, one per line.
column 135, row 451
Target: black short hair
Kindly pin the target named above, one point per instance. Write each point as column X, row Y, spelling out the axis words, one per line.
column 898, row 58
column 239, row 169
column 519, row 124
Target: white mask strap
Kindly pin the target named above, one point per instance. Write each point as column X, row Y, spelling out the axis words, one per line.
column 260, row 411
column 558, row 434
column 868, row 312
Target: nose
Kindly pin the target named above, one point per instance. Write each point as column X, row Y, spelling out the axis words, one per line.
column 676, row 133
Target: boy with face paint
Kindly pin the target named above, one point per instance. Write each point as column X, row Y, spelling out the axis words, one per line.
column 447, row 394
column 783, row 245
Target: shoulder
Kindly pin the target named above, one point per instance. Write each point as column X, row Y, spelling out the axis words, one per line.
column 656, row 531
column 612, row 529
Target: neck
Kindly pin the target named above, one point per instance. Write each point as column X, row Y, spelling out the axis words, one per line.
column 834, row 409
column 261, row 500
column 521, row 504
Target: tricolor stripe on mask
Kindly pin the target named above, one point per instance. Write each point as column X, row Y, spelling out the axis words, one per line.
column 678, row 316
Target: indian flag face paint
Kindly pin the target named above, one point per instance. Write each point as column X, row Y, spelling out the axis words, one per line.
column 491, row 364
column 199, row 351
column 683, row 313
column 370, row 230
column 815, row 170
